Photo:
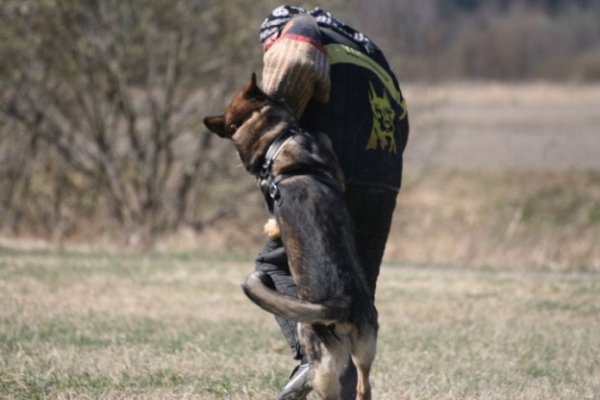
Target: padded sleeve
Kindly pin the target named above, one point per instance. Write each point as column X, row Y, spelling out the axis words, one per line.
column 296, row 67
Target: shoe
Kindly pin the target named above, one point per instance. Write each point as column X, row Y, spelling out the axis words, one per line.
column 298, row 387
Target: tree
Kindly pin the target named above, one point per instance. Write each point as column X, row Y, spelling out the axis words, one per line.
column 100, row 110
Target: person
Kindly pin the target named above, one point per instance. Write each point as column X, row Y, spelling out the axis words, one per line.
column 337, row 81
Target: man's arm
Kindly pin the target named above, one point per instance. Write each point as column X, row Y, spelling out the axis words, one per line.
column 296, row 67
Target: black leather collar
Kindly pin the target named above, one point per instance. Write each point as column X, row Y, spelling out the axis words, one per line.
column 273, row 181
column 274, row 149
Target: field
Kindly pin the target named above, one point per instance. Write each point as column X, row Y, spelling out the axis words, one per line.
column 157, row 326
column 489, row 290
column 487, row 126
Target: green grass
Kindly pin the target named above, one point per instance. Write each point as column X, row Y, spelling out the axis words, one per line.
column 159, row 326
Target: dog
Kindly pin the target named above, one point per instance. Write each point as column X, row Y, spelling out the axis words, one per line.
column 302, row 183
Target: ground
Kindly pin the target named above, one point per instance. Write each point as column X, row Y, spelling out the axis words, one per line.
column 496, row 126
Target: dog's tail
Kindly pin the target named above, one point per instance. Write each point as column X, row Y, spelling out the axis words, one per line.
column 291, row 307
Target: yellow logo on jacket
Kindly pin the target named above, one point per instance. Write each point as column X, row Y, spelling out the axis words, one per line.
column 382, row 133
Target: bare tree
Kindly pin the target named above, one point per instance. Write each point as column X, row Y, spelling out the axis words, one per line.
column 101, row 106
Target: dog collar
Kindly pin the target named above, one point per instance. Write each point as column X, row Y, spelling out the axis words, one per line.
column 274, row 151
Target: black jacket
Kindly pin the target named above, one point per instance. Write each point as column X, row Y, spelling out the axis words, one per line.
column 366, row 116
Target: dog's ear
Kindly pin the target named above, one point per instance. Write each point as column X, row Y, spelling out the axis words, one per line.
column 216, row 124
column 251, row 90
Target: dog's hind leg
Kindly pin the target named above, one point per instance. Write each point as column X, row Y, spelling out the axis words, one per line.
column 329, row 355
column 325, row 381
column 363, row 355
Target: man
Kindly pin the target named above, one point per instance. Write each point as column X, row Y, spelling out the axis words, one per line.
column 337, row 81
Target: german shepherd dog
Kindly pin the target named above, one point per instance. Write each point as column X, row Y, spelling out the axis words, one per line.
column 302, row 183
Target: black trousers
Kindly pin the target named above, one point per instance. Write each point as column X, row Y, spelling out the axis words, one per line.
column 371, row 209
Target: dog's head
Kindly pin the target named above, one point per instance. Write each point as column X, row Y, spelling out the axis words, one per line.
column 244, row 103
column 246, row 120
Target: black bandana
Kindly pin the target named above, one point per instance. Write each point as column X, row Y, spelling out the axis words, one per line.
column 281, row 15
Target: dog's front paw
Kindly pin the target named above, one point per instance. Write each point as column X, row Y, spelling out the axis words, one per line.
column 272, row 229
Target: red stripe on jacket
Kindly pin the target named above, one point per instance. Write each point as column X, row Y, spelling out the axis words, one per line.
column 300, row 38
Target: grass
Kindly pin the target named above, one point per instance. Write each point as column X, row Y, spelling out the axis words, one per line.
column 159, row 326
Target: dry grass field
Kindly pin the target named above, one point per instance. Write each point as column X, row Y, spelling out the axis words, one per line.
column 490, row 288
column 160, row 326
column 487, row 126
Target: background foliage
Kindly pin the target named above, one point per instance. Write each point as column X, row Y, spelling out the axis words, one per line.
column 101, row 102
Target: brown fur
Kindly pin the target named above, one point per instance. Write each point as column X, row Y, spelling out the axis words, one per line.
column 272, row 229
column 336, row 315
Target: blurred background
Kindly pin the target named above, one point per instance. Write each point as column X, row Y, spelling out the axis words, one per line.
column 102, row 144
